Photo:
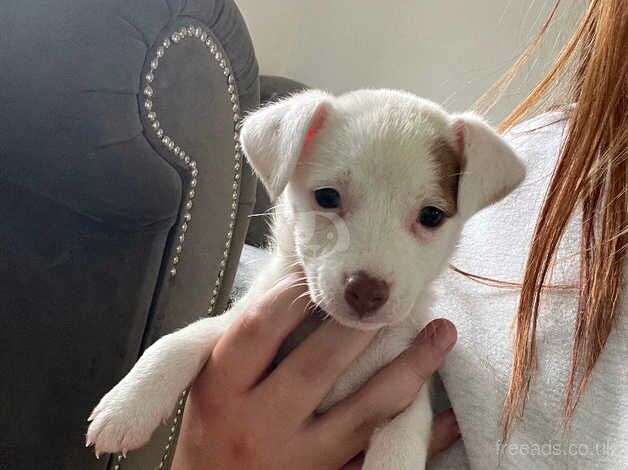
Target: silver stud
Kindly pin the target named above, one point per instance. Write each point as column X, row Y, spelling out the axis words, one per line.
column 218, row 55
column 179, row 249
column 155, row 125
column 161, row 465
column 160, row 133
column 182, row 154
column 148, row 91
column 154, row 63
column 193, row 183
column 237, row 176
column 231, row 224
column 150, row 77
column 212, row 48
column 236, row 166
column 234, row 185
column 236, row 117
column 234, row 108
column 186, row 159
column 173, row 272
column 116, row 467
column 232, row 216
column 203, row 36
column 175, row 420
column 237, row 156
column 197, row 32
column 166, row 43
column 165, row 140
column 225, row 253
column 181, row 238
column 215, row 292
column 152, row 116
column 229, row 235
column 187, row 217
column 226, row 72
column 209, row 42
column 212, row 301
column 222, row 63
column 222, row 263
column 184, row 227
column 170, row 437
column 177, row 150
column 230, row 79
column 148, row 104
column 194, row 171
column 175, row 260
column 192, row 164
column 170, row 145
column 191, row 194
column 191, row 30
column 188, row 205
column 160, row 52
column 183, row 32
column 234, row 205
column 179, row 411
column 175, row 37
column 167, row 447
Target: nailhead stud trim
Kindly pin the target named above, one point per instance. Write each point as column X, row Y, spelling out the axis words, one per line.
column 149, row 92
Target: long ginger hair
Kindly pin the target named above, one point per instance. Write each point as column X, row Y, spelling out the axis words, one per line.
column 590, row 175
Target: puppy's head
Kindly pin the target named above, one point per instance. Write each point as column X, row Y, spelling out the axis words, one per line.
column 375, row 188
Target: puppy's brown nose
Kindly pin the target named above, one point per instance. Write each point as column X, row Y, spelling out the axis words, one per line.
column 365, row 294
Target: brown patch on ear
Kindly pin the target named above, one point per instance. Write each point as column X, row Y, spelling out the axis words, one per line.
column 448, row 168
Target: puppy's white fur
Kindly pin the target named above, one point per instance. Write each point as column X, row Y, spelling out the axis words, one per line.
column 380, row 150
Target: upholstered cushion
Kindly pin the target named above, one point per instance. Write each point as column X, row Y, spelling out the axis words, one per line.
column 103, row 247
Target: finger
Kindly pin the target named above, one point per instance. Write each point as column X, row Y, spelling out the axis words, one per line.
column 307, row 374
column 249, row 345
column 445, row 432
column 390, row 391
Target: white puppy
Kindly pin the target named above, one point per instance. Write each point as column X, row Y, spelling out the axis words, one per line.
column 375, row 187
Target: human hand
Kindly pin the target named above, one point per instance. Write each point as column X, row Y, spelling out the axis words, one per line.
column 240, row 416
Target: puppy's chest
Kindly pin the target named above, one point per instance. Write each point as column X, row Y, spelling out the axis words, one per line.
column 387, row 345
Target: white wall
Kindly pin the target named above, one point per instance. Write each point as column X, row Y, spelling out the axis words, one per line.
column 447, row 50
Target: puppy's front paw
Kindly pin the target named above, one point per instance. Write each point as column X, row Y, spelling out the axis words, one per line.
column 126, row 417
column 391, row 448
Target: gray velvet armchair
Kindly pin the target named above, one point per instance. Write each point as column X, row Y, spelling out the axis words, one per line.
column 124, row 202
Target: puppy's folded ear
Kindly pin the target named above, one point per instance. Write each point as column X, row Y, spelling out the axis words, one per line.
column 277, row 136
column 490, row 168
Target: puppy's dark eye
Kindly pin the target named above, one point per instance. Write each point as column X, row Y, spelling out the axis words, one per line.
column 327, row 198
column 431, row 217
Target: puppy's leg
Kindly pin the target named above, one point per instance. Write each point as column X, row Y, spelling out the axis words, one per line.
column 128, row 414
column 403, row 443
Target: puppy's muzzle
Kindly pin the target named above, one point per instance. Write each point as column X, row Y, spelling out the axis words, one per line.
column 365, row 294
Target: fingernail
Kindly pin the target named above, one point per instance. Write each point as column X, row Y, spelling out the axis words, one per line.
column 453, row 423
column 442, row 334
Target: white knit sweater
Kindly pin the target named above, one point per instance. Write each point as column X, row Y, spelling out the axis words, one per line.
column 475, row 374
